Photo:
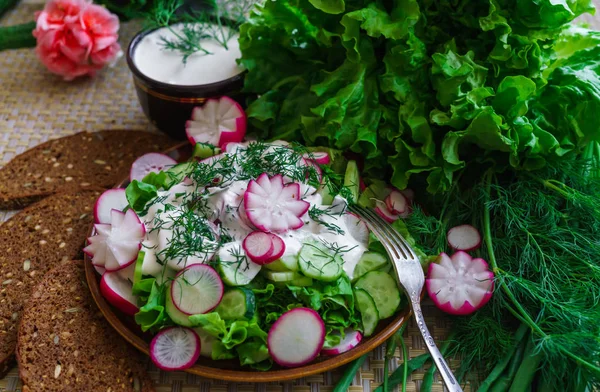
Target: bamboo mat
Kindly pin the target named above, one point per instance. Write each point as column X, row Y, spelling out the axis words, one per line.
column 36, row 106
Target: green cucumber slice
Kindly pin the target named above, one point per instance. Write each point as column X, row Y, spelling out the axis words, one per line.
column 234, row 267
column 302, row 281
column 205, row 150
column 176, row 315
column 276, row 266
column 282, row 276
column 384, row 291
column 368, row 311
column 236, row 304
column 369, row 261
column 319, row 262
column 326, row 192
column 352, row 180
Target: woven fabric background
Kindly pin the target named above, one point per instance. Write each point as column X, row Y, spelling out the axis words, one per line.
column 36, row 106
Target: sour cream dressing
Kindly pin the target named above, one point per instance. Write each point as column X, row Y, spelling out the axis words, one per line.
column 226, row 206
column 166, row 66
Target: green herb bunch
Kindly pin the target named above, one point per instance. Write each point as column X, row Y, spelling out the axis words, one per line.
column 217, row 20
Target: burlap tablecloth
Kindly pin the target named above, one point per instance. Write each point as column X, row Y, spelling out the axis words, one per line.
column 36, row 106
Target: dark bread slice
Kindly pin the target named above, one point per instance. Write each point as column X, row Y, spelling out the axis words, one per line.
column 65, row 344
column 85, row 159
column 31, row 243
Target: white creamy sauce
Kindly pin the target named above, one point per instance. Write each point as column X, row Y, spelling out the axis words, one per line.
column 166, row 66
column 225, row 205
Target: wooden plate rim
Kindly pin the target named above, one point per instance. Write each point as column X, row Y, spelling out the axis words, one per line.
column 366, row 345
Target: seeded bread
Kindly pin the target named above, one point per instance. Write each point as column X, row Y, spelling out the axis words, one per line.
column 65, row 344
column 85, row 159
column 31, row 243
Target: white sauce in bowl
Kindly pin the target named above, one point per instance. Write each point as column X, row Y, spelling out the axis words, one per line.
column 166, row 66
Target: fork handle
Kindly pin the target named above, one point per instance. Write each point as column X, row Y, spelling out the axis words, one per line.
column 449, row 379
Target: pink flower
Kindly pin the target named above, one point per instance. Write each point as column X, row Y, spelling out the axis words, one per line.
column 76, row 37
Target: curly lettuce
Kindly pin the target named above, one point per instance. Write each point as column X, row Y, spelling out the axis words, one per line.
column 425, row 86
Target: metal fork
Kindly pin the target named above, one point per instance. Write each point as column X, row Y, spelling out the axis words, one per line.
column 411, row 278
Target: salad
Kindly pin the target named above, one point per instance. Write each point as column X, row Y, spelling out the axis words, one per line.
column 245, row 252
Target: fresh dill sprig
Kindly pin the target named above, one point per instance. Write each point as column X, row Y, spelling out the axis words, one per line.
column 217, row 20
column 540, row 232
column 317, row 214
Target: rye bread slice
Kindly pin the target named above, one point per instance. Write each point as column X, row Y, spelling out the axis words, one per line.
column 85, row 159
column 65, row 344
column 31, row 243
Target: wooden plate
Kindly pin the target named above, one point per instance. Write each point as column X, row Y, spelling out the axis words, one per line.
column 230, row 370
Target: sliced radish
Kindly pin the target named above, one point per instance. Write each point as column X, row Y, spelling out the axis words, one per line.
column 116, row 246
column 175, row 348
column 297, row 337
column 313, row 165
column 217, row 122
column 99, row 270
column 278, row 247
column 396, row 202
column 272, row 206
column 112, row 199
column 197, row 289
column 383, row 211
column 459, row 284
column 152, row 162
column 464, row 237
column 320, row 157
column 258, row 246
column 349, row 341
column 357, row 228
column 118, row 292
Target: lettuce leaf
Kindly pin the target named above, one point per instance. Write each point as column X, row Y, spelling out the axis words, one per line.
column 423, row 88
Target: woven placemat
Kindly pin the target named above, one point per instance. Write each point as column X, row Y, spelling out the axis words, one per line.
column 36, row 106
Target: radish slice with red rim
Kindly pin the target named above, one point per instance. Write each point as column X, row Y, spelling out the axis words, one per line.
column 396, row 202
column 278, row 247
column 464, row 237
column 197, row 289
column 272, row 206
column 459, row 284
column 109, row 200
column 351, row 339
column 118, row 292
column 116, row 246
column 320, row 157
column 296, row 338
column 383, row 211
column 152, row 162
column 175, row 348
column 258, row 247
column 217, row 122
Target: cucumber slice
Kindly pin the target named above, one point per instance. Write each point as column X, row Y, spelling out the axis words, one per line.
column 276, row 266
column 205, row 150
column 234, row 267
column 236, row 304
column 282, row 276
column 368, row 311
column 290, row 262
column 369, row 261
column 326, row 192
column 137, row 272
column 319, row 262
column 302, row 281
column 176, row 315
column 384, row 291
column 352, row 180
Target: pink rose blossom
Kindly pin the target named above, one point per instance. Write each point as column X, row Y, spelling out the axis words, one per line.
column 76, row 37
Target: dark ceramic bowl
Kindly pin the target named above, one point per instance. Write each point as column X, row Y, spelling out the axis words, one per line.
column 169, row 106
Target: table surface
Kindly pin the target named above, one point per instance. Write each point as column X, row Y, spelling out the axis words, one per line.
column 36, row 106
